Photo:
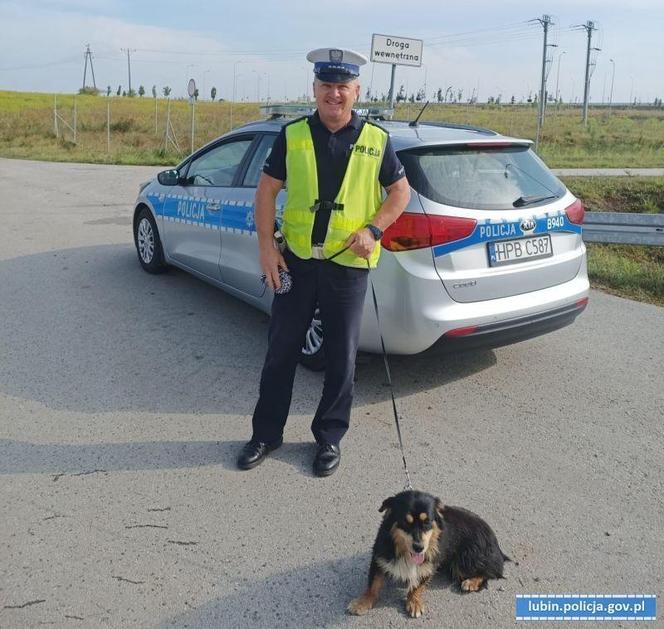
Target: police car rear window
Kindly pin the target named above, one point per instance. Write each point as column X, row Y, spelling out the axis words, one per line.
column 481, row 178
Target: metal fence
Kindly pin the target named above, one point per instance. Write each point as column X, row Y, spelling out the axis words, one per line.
column 624, row 228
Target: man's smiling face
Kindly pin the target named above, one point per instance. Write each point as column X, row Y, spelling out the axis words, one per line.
column 335, row 100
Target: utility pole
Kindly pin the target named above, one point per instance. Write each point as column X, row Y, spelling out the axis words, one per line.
column 88, row 55
column 545, row 21
column 128, row 51
column 589, row 27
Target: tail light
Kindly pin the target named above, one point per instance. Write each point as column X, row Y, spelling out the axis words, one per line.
column 416, row 231
column 575, row 212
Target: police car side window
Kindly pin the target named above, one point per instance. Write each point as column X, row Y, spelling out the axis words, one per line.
column 258, row 160
column 217, row 167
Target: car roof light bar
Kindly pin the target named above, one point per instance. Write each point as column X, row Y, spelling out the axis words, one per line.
column 297, row 110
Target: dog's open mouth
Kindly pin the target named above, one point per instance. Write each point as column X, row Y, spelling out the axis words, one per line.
column 417, row 558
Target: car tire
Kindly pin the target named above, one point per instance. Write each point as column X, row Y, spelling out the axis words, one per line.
column 312, row 355
column 148, row 243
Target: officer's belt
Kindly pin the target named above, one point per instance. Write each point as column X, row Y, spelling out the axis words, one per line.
column 327, row 206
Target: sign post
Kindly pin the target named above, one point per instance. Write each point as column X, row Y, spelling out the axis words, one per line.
column 396, row 51
column 191, row 90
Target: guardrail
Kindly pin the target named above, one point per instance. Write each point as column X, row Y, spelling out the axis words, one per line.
column 624, row 228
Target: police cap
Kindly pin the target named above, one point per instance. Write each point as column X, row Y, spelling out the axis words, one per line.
column 336, row 65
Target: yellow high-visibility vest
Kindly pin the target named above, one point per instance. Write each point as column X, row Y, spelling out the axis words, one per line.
column 360, row 193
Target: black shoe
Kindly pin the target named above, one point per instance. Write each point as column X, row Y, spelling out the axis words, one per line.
column 327, row 459
column 254, row 453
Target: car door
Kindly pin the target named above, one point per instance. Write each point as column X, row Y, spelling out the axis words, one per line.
column 240, row 268
column 193, row 213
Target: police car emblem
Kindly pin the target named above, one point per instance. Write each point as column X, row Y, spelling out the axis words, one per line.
column 528, row 225
column 249, row 219
column 336, row 55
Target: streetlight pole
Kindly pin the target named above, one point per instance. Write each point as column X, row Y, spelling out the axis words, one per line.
column 613, row 74
column 558, row 77
column 234, row 88
column 258, row 85
column 425, row 82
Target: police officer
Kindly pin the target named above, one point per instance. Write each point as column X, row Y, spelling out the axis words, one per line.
column 335, row 164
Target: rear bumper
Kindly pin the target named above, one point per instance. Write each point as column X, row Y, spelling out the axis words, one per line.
column 416, row 311
column 512, row 330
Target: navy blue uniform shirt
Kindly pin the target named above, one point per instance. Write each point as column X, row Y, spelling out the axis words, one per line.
column 333, row 151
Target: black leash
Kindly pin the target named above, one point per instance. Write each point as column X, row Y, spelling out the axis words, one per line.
column 389, row 381
column 387, row 369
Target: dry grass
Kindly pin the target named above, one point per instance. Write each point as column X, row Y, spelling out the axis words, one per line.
column 619, row 138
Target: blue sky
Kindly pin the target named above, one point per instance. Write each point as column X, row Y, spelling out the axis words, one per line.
column 483, row 46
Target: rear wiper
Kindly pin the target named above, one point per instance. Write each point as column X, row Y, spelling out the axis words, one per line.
column 523, row 201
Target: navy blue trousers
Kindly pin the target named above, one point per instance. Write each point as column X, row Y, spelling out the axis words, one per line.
column 339, row 292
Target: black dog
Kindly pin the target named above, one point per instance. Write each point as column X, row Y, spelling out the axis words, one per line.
column 418, row 536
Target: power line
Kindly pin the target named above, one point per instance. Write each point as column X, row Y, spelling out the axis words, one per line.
column 37, row 66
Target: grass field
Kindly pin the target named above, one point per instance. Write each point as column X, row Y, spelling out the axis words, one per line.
column 636, row 272
column 619, row 138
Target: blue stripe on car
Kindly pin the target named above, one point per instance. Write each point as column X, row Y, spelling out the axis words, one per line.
column 488, row 231
column 231, row 216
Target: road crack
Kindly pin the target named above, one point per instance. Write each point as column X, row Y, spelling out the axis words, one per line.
column 127, row 580
column 35, row 602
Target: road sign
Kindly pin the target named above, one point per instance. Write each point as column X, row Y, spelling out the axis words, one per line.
column 191, row 88
column 396, row 50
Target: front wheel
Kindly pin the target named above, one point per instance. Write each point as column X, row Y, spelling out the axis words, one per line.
column 148, row 243
column 312, row 355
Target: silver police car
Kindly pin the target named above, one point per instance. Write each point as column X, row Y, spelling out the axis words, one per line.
column 488, row 252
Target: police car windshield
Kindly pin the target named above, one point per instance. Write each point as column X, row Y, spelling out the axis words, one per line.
column 480, row 177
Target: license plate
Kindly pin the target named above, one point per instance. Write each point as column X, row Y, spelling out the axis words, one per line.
column 519, row 250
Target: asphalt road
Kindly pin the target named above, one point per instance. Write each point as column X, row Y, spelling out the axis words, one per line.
column 124, row 398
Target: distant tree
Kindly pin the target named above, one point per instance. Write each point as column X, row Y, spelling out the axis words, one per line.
column 196, row 94
column 401, row 94
column 141, row 91
column 439, row 95
column 368, row 94
column 124, row 93
column 512, row 100
column 490, row 100
column 459, row 95
column 108, row 90
column 411, row 98
column 213, row 93
column 420, row 95
column 167, row 91
column 498, row 99
column 131, row 93
column 154, row 91
column 119, row 90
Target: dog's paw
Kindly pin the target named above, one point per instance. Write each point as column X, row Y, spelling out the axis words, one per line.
column 473, row 584
column 359, row 606
column 414, row 607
